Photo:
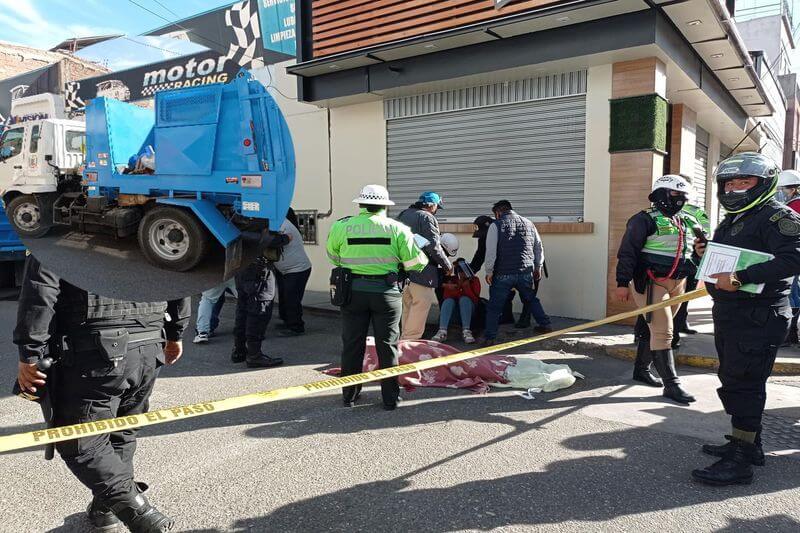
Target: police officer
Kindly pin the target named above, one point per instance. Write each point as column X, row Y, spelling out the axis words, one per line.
column 255, row 287
column 654, row 258
column 749, row 327
column 789, row 193
column 681, row 320
column 373, row 247
column 108, row 354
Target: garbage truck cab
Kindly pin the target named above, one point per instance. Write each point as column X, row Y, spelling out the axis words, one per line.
column 41, row 154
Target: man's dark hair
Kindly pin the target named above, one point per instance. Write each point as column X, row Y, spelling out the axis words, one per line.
column 372, row 208
column 502, row 206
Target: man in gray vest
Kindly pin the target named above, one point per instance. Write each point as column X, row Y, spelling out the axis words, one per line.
column 107, row 356
column 420, row 293
column 514, row 259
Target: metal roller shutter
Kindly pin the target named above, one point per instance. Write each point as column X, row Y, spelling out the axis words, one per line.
column 531, row 153
column 700, row 168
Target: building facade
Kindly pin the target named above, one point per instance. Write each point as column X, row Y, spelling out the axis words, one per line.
column 568, row 110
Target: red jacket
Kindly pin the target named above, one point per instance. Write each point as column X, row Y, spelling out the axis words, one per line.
column 470, row 288
column 794, row 204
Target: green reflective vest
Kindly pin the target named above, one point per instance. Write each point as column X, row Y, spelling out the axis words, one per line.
column 700, row 215
column 373, row 244
column 661, row 247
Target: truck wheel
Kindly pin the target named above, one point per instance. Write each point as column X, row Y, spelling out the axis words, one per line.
column 26, row 217
column 172, row 238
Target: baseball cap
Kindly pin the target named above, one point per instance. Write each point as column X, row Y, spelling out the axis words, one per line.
column 431, row 198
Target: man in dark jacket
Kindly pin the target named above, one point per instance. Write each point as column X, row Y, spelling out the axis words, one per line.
column 107, row 356
column 420, row 293
column 514, row 259
column 749, row 326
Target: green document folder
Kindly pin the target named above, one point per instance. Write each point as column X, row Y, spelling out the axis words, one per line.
column 723, row 258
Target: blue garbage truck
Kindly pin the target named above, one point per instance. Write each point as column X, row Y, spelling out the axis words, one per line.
column 213, row 163
column 12, row 254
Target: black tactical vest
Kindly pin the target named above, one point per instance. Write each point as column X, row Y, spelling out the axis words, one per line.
column 77, row 309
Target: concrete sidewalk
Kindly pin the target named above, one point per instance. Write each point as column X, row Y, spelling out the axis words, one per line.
column 614, row 340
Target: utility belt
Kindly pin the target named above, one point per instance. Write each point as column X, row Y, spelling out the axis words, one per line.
column 341, row 283
column 112, row 344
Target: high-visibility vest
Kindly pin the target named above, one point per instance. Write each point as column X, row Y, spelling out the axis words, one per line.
column 661, row 247
column 373, row 244
column 700, row 215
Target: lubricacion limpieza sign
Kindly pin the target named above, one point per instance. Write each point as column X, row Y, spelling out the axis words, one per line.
column 171, row 414
column 278, row 25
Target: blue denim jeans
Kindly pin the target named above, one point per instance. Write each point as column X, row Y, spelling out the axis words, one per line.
column 794, row 296
column 498, row 294
column 465, row 307
column 208, row 311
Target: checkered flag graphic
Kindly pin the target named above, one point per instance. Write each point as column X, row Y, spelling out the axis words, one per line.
column 242, row 18
column 73, row 102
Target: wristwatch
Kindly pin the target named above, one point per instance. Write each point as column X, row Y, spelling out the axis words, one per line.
column 735, row 281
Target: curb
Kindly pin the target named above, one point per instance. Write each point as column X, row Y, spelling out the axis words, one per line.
column 783, row 365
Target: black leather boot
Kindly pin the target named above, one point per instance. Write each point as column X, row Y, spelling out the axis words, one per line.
column 239, row 353
column 140, row 516
column 664, row 361
column 102, row 517
column 641, row 367
column 256, row 359
column 720, row 450
column 734, row 468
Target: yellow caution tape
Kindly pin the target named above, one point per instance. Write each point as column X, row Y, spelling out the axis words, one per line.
column 59, row 434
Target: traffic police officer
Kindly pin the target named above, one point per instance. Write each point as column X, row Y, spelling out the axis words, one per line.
column 255, row 288
column 655, row 258
column 748, row 327
column 107, row 356
column 373, row 247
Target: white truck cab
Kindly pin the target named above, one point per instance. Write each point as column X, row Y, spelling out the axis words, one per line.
column 41, row 153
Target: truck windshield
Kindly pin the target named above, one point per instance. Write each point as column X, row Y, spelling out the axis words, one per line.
column 75, row 141
column 12, row 139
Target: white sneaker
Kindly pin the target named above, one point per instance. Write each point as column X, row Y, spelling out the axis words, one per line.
column 201, row 338
column 440, row 336
column 468, row 337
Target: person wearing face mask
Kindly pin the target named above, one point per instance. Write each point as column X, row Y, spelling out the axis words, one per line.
column 654, row 259
column 789, row 194
column 748, row 327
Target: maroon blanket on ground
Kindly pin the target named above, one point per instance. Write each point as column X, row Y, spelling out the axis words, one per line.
column 474, row 374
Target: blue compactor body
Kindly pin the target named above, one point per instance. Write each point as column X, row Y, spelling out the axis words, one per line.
column 209, row 163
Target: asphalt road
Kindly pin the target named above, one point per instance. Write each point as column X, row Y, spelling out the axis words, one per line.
column 603, row 455
column 116, row 268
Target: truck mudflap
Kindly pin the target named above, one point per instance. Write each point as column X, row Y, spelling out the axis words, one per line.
column 233, row 258
column 244, row 250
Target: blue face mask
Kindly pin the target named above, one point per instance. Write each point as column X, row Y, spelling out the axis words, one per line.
column 781, row 196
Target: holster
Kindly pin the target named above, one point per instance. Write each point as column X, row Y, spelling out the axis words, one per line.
column 341, row 286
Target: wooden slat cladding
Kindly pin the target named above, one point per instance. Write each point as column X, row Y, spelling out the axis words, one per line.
column 345, row 25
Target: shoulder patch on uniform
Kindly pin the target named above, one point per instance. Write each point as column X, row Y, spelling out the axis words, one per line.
column 789, row 227
column 778, row 215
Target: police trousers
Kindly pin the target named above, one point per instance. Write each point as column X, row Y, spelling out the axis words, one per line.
column 256, row 293
column 88, row 391
column 747, row 336
column 661, row 321
column 382, row 310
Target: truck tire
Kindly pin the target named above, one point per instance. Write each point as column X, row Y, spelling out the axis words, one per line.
column 27, row 217
column 172, row 238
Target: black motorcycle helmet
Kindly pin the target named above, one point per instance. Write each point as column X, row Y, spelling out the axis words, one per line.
column 746, row 165
column 481, row 224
